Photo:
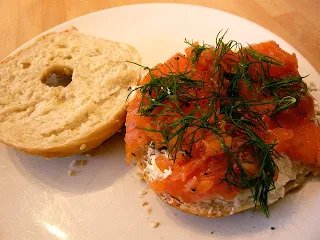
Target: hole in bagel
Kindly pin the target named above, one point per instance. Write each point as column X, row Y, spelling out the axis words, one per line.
column 56, row 76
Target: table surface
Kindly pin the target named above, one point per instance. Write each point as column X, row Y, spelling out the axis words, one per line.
column 296, row 21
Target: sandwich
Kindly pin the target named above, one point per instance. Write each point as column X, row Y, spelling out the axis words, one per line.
column 223, row 129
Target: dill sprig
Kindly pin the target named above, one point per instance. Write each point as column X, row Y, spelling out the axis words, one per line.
column 196, row 52
column 167, row 95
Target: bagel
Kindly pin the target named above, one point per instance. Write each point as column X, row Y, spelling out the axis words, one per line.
column 291, row 175
column 42, row 113
column 217, row 131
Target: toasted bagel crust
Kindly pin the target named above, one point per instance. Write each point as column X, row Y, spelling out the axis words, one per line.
column 220, row 208
column 215, row 209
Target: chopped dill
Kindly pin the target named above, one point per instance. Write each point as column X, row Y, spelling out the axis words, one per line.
column 213, row 101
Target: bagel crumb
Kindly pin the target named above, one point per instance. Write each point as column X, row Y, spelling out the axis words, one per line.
column 145, row 204
column 88, row 155
column 149, row 210
column 140, row 175
column 71, row 173
column 83, row 146
column 143, row 192
column 155, row 224
column 73, row 163
column 312, row 87
column 83, row 162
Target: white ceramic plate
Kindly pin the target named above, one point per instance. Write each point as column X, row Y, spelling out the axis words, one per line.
column 102, row 201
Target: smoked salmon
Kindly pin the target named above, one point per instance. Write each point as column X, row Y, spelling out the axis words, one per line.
column 221, row 116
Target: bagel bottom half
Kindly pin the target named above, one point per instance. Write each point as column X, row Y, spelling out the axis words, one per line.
column 291, row 175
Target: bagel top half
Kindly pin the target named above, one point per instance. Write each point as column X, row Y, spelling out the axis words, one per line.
column 66, row 93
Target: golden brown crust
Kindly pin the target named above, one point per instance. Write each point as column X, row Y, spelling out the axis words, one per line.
column 92, row 140
column 218, row 209
column 221, row 208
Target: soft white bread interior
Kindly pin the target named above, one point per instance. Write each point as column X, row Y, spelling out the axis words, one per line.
column 291, row 175
column 58, row 121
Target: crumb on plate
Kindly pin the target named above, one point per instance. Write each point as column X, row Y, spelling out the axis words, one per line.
column 312, row 87
column 140, row 175
column 73, row 163
column 78, row 162
column 145, row 204
column 143, row 192
column 83, row 162
column 155, row 224
column 71, row 173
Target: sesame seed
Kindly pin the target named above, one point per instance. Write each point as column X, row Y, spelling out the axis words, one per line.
column 145, row 204
column 88, row 155
column 83, row 162
column 155, row 224
column 73, row 163
column 149, row 210
column 143, row 192
column 83, row 146
column 70, row 173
